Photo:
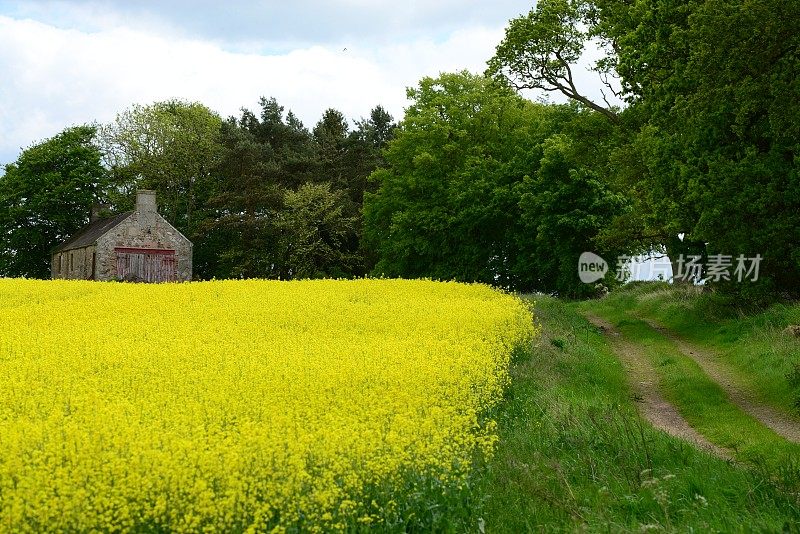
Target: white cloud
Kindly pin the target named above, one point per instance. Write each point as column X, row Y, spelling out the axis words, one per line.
column 57, row 73
column 274, row 23
column 56, row 77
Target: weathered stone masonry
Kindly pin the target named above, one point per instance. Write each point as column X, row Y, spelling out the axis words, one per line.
column 140, row 243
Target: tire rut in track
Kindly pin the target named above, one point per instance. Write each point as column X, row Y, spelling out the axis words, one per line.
column 741, row 396
column 643, row 379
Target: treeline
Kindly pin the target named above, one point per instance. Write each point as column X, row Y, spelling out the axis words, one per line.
column 259, row 195
column 476, row 183
column 483, row 185
column 701, row 161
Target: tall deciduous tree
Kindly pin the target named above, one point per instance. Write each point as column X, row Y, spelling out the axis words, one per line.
column 541, row 51
column 729, row 123
column 711, row 123
column 713, row 85
column 45, row 197
column 482, row 185
column 315, row 233
column 171, row 147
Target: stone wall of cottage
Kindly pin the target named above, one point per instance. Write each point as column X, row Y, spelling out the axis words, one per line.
column 144, row 228
column 75, row 264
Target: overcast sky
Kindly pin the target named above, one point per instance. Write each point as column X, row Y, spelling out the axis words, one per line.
column 66, row 63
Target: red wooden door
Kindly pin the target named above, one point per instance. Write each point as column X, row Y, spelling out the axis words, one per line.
column 146, row 264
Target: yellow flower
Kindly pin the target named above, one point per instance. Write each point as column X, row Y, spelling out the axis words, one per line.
column 243, row 405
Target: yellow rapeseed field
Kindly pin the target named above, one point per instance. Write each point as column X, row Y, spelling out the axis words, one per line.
column 245, row 405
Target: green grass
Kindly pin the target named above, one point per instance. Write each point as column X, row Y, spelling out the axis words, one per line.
column 751, row 342
column 700, row 400
column 574, row 455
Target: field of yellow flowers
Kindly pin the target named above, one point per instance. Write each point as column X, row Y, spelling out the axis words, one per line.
column 245, row 405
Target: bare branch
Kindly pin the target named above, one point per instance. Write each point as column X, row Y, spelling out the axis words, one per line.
column 572, row 92
column 604, row 97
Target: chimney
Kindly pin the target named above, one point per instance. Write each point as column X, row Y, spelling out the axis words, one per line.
column 146, row 201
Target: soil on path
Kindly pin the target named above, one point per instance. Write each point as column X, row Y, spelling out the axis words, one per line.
column 738, row 394
column 644, row 382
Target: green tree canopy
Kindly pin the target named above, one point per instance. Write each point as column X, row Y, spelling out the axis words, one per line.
column 315, row 233
column 171, row 147
column 710, row 134
column 286, row 201
column 45, row 197
column 541, row 50
column 472, row 191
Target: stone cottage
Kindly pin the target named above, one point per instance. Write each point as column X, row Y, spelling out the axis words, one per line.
column 136, row 246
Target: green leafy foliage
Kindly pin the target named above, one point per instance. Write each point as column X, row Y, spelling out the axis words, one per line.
column 314, row 233
column 286, row 201
column 170, row 146
column 710, row 136
column 46, row 196
column 541, row 50
column 483, row 185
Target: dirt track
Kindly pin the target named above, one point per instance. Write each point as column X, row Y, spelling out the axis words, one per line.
column 739, row 395
column 643, row 379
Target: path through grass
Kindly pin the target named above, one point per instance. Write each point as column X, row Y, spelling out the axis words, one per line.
column 751, row 343
column 574, row 453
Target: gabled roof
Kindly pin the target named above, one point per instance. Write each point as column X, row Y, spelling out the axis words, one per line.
column 91, row 232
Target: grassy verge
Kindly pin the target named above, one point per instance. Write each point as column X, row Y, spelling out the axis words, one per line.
column 573, row 454
column 700, row 400
column 753, row 344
